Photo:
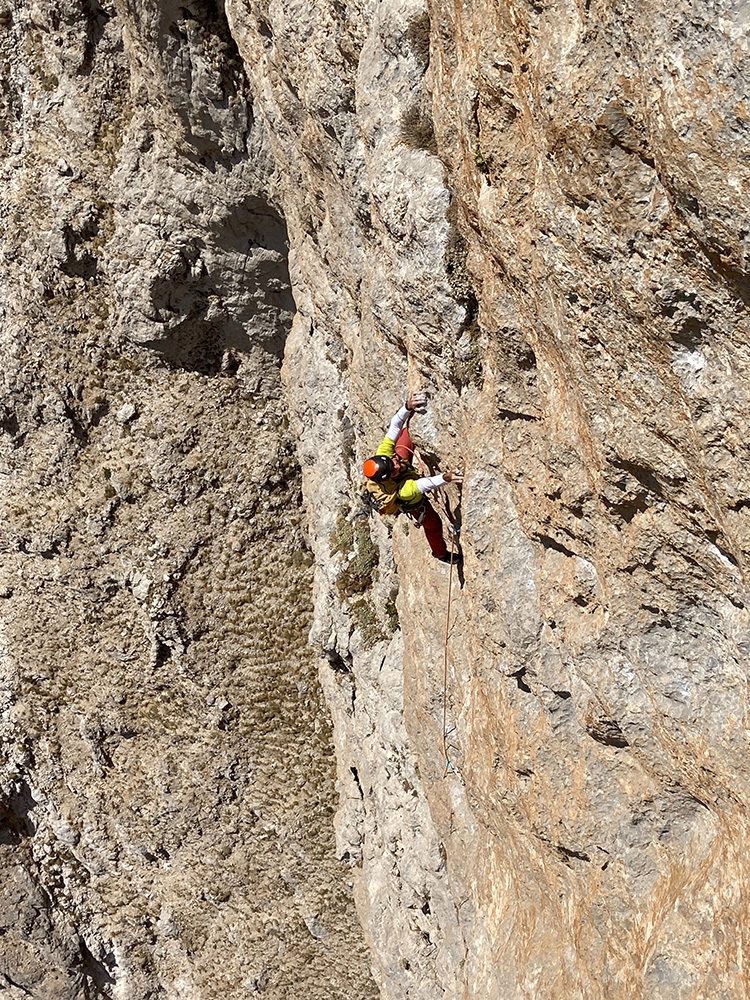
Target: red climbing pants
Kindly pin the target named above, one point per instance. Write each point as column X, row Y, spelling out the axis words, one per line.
column 431, row 523
column 405, row 446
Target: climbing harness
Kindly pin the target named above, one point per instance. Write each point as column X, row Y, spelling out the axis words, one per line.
column 417, row 516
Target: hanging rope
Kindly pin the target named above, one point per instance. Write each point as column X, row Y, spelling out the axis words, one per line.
column 454, row 520
column 450, row 767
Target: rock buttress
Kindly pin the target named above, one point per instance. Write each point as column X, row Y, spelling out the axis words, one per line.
column 538, row 215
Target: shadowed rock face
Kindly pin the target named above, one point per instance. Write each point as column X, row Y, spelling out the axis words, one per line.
column 166, row 773
column 538, row 214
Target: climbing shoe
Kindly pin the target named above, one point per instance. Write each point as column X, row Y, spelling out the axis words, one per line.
column 450, row 557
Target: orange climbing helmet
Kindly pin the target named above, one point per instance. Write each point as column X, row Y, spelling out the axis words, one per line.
column 378, row 468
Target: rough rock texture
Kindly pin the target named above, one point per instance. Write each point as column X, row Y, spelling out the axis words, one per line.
column 167, row 767
column 537, row 212
column 540, row 214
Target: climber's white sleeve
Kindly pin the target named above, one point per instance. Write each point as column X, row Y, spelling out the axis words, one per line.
column 429, row 483
column 397, row 424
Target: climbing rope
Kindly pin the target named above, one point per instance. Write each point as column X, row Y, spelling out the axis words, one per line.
column 450, row 767
column 454, row 522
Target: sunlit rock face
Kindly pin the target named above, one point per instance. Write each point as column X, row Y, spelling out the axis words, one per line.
column 537, row 214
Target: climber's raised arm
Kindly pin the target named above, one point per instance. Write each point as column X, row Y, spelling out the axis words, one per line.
column 416, row 403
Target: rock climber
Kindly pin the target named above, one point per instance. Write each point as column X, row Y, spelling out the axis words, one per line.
column 395, row 486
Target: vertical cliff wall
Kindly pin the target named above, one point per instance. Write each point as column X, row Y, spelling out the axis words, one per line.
column 538, row 213
column 230, row 246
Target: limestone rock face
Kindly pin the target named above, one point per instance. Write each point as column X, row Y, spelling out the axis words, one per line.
column 537, row 214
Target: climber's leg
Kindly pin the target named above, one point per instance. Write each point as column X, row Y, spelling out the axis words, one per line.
column 433, row 529
column 405, row 445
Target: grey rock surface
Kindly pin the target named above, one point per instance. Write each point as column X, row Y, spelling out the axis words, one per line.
column 166, row 766
column 555, row 248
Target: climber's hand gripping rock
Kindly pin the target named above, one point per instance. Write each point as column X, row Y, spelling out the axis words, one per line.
column 417, row 402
